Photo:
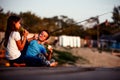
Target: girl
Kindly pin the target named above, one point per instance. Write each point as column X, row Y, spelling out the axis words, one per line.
column 13, row 42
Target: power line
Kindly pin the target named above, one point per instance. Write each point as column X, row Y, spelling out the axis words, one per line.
column 96, row 17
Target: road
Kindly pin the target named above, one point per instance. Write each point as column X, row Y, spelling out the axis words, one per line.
column 59, row 73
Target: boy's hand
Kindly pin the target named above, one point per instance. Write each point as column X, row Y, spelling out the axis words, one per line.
column 50, row 48
column 35, row 36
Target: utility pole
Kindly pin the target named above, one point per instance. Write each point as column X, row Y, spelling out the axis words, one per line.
column 98, row 38
column 96, row 19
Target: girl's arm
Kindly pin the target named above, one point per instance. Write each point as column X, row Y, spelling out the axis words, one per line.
column 21, row 43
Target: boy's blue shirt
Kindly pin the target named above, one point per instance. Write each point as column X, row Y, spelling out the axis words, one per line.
column 35, row 48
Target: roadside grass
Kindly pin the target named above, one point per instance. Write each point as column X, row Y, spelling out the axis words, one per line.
column 64, row 57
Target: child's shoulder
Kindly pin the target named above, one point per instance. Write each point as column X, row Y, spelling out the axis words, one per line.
column 33, row 41
column 15, row 33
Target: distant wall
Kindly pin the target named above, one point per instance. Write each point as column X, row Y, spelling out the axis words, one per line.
column 1, row 35
column 69, row 41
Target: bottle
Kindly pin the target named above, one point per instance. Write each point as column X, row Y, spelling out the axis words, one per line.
column 48, row 48
column 21, row 30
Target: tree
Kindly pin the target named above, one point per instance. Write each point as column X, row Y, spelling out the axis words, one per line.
column 116, row 15
column 3, row 20
column 31, row 21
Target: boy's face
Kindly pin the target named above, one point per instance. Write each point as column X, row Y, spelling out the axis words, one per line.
column 43, row 36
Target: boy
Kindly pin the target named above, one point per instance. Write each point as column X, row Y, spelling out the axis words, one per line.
column 36, row 54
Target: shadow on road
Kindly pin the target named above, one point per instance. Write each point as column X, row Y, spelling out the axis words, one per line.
column 59, row 73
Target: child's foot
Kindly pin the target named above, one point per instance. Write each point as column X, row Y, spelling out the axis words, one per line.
column 19, row 65
column 53, row 64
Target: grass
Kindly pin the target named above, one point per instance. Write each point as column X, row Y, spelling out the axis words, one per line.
column 64, row 57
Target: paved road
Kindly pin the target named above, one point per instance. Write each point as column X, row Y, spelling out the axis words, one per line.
column 59, row 73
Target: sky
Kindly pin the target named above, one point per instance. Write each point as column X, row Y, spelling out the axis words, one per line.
column 78, row 10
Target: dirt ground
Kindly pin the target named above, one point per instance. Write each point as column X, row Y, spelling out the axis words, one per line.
column 95, row 58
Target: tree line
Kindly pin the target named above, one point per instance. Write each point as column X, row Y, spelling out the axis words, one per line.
column 63, row 25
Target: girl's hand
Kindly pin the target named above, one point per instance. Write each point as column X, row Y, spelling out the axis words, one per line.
column 25, row 33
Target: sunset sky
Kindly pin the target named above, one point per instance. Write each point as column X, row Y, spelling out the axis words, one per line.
column 78, row 10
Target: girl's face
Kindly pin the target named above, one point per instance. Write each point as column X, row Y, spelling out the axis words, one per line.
column 43, row 36
column 17, row 25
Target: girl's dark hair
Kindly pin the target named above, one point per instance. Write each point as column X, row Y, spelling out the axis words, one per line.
column 10, row 27
column 47, row 33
